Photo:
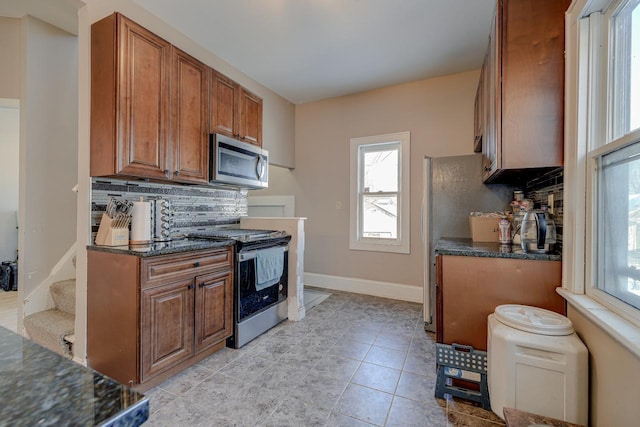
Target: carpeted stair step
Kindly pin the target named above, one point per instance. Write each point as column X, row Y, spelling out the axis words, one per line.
column 48, row 328
column 64, row 295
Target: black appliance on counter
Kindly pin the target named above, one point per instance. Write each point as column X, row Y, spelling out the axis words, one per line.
column 256, row 309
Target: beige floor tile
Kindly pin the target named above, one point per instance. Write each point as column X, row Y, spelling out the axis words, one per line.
column 309, row 373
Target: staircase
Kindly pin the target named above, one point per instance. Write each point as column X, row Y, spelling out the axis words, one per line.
column 54, row 328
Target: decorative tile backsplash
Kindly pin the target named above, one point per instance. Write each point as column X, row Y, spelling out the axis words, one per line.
column 540, row 188
column 194, row 208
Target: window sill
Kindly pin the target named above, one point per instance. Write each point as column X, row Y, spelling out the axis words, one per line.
column 621, row 330
column 402, row 248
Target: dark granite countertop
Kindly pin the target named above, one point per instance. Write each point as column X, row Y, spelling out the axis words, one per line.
column 164, row 248
column 467, row 247
column 41, row 388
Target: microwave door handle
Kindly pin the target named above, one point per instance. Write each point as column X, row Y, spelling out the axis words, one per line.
column 260, row 167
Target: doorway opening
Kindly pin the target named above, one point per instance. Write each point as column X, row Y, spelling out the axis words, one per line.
column 9, row 188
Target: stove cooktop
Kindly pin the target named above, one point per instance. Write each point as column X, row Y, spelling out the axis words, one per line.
column 240, row 235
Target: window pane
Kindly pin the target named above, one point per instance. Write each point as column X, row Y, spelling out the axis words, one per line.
column 626, row 69
column 381, row 171
column 619, row 224
column 635, row 69
column 380, row 217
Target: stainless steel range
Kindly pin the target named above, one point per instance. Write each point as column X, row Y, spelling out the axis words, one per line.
column 260, row 280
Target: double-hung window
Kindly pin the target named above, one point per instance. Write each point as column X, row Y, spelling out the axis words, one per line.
column 379, row 206
column 612, row 255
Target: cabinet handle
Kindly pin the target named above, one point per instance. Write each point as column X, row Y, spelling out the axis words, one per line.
column 176, row 173
column 191, row 286
column 196, row 264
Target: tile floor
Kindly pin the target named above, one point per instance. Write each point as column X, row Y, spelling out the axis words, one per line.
column 354, row 360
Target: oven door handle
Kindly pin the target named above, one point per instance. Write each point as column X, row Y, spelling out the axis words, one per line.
column 246, row 256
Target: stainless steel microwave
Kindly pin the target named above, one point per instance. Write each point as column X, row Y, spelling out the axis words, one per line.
column 237, row 163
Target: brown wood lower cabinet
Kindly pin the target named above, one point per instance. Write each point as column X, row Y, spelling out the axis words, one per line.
column 468, row 289
column 214, row 302
column 167, row 326
column 144, row 327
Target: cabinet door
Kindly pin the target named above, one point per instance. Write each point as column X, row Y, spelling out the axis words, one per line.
column 225, row 95
column 189, row 115
column 214, row 308
column 472, row 287
column 250, row 117
column 532, row 83
column 492, row 102
column 143, row 104
column 167, row 326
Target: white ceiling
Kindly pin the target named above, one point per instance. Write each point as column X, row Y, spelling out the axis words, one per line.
column 307, row 50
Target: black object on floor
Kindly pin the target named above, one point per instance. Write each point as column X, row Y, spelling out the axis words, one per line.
column 462, row 362
column 9, row 276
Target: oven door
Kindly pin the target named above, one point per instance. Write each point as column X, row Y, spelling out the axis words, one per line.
column 251, row 300
column 238, row 163
column 257, row 310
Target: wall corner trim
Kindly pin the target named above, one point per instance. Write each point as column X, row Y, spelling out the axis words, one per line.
column 395, row 291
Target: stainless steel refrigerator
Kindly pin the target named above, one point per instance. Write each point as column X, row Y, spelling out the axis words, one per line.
column 452, row 188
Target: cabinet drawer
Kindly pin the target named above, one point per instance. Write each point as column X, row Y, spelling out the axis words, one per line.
column 158, row 269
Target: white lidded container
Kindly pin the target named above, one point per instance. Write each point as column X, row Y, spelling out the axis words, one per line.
column 536, row 363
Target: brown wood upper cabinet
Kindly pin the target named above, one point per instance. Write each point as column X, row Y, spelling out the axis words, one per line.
column 250, row 117
column 149, row 105
column 523, row 81
column 189, row 118
column 235, row 111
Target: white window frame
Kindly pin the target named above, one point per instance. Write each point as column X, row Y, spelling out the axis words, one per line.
column 402, row 243
column 587, row 125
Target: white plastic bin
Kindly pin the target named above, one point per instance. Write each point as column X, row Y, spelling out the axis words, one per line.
column 536, row 363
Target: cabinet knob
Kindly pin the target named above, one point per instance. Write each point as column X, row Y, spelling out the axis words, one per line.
column 202, row 284
column 166, row 172
column 176, row 173
column 196, row 264
column 191, row 286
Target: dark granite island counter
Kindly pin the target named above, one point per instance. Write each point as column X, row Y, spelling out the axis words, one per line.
column 41, row 388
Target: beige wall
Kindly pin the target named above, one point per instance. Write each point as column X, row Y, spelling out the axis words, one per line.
column 439, row 114
column 48, row 150
column 614, row 377
column 10, row 58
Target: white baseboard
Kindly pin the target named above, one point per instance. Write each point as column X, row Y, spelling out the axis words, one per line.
column 368, row 287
